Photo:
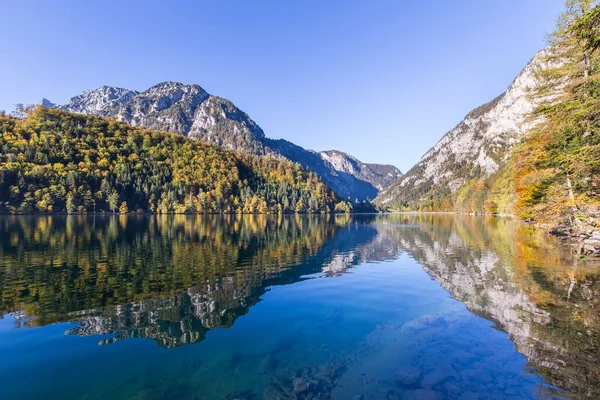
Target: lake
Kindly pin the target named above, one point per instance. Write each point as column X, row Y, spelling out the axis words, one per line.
column 294, row 307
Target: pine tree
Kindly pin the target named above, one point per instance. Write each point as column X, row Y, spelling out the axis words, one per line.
column 113, row 201
column 70, row 204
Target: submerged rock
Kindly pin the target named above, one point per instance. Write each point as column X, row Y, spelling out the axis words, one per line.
column 301, row 385
column 591, row 246
column 407, row 376
column 452, row 389
column 444, row 371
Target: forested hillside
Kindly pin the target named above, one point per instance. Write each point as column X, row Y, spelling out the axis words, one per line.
column 552, row 175
column 190, row 111
column 55, row 161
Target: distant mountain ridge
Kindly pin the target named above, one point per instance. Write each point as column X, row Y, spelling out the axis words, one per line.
column 191, row 111
column 379, row 175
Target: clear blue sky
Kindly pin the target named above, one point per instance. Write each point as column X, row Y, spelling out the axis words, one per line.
column 382, row 80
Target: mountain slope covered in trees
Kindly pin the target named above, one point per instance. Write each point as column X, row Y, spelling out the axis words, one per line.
column 55, row 161
column 191, row 111
column 548, row 169
column 553, row 176
column 474, row 149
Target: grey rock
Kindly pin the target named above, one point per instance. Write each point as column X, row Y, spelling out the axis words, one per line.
column 379, row 175
column 407, row 376
column 463, row 357
column 444, row 371
column 300, row 385
column 592, row 245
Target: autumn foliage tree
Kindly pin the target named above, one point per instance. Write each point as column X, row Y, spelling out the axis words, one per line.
column 54, row 161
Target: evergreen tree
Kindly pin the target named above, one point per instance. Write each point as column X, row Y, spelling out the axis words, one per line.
column 54, row 161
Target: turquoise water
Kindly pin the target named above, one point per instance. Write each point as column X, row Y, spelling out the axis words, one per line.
column 267, row 307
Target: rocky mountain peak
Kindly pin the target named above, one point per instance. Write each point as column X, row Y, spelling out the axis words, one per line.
column 191, row 111
column 47, row 103
column 167, row 85
column 97, row 100
column 175, row 90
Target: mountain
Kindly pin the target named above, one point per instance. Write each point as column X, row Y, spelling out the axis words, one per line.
column 57, row 161
column 532, row 152
column 189, row 110
column 379, row 175
column 474, row 149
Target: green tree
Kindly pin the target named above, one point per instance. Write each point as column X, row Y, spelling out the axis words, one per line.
column 300, row 207
column 70, row 204
column 113, row 201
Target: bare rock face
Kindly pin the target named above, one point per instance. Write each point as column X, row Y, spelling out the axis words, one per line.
column 189, row 110
column 476, row 147
column 104, row 101
column 379, row 175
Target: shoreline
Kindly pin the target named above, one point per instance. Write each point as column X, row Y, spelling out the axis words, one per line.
column 584, row 243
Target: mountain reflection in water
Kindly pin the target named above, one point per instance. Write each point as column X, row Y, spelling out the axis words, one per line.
column 172, row 279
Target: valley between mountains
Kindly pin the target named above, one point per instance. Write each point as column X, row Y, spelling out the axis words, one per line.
column 531, row 152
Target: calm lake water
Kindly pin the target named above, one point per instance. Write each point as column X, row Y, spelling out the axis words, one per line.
column 294, row 307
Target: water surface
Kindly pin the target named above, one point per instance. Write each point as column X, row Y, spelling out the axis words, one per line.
column 294, row 307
